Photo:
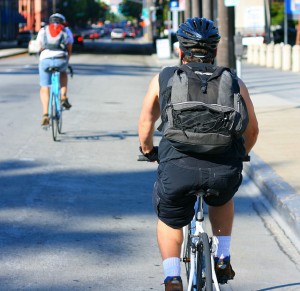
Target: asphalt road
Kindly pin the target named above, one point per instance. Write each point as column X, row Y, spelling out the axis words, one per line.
column 76, row 214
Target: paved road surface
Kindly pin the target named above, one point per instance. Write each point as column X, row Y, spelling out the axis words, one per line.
column 77, row 214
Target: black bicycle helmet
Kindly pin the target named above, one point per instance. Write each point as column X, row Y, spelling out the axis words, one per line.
column 198, row 33
column 57, row 18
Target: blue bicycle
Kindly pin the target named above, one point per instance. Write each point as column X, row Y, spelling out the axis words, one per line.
column 54, row 108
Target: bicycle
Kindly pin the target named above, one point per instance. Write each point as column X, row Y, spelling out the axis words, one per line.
column 198, row 249
column 55, row 109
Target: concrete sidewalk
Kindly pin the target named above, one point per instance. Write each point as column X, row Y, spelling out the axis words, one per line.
column 10, row 48
column 275, row 159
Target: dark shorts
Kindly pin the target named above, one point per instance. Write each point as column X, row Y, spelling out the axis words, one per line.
column 178, row 180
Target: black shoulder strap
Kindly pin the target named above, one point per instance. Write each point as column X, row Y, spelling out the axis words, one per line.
column 190, row 74
column 235, row 82
column 179, row 86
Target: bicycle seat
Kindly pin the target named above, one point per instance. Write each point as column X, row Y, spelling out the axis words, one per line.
column 53, row 69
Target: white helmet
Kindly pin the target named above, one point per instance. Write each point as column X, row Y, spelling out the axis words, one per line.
column 57, row 18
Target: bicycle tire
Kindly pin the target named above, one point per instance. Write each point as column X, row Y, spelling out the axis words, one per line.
column 204, row 273
column 53, row 119
column 59, row 120
column 187, row 251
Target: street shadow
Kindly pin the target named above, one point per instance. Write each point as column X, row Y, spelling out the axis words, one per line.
column 54, row 214
column 90, row 70
column 112, row 48
column 91, row 136
column 111, row 69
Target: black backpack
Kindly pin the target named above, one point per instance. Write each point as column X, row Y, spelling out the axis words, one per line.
column 204, row 110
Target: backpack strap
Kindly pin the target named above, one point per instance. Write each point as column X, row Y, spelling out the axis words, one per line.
column 179, row 86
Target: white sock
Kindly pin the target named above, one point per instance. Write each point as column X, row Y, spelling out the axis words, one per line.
column 223, row 247
column 171, row 267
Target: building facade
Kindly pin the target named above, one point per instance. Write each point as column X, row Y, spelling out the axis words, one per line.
column 9, row 19
column 20, row 15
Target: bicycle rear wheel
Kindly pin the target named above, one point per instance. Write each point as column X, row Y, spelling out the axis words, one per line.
column 54, row 119
column 204, row 267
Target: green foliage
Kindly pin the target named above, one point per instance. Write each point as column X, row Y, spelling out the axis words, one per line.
column 131, row 9
column 277, row 13
column 80, row 12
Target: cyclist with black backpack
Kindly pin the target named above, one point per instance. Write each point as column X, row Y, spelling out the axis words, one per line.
column 56, row 42
column 208, row 128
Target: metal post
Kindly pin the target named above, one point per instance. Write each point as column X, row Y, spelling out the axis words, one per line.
column 285, row 23
column 239, row 67
column 54, row 6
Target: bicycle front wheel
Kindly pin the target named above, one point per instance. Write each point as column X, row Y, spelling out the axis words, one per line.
column 54, row 119
column 186, row 250
column 204, row 267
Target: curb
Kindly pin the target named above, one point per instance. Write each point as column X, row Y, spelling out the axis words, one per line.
column 10, row 53
column 279, row 193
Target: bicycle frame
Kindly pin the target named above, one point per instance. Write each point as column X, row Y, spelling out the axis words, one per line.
column 198, row 226
column 55, row 91
column 54, row 107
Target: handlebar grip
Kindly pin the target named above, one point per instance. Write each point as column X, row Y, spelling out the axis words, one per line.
column 142, row 158
column 246, row 158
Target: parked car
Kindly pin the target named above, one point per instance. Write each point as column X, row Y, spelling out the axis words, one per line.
column 130, row 32
column 24, row 37
column 117, row 33
column 78, row 39
column 91, row 34
column 100, row 31
column 34, row 46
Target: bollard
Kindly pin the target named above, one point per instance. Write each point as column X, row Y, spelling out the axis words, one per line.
column 286, row 57
column 296, row 58
column 250, row 53
column 262, row 54
column 270, row 56
column 256, row 54
column 277, row 56
column 238, row 52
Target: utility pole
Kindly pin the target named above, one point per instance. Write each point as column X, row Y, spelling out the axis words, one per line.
column 225, row 56
column 187, row 12
column 150, row 27
column 195, row 8
column 207, row 9
column 54, row 6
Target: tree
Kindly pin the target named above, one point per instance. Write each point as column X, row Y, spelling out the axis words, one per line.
column 277, row 13
column 131, row 8
column 80, row 12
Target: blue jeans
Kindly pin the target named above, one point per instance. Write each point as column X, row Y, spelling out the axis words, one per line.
column 45, row 77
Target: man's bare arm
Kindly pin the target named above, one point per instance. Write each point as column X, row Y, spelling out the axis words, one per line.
column 251, row 132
